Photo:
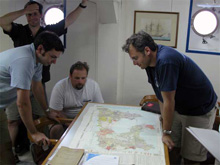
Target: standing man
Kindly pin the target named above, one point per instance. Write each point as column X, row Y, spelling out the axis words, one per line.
column 70, row 94
column 26, row 34
column 185, row 94
column 20, row 70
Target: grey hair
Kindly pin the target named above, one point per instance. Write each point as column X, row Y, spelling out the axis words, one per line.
column 140, row 40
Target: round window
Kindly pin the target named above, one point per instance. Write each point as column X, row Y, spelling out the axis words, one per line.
column 53, row 15
column 204, row 22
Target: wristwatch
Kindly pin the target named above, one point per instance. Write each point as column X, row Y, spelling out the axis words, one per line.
column 82, row 6
column 167, row 132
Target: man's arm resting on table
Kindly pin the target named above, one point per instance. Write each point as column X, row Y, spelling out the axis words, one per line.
column 168, row 112
column 57, row 114
column 25, row 111
column 6, row 20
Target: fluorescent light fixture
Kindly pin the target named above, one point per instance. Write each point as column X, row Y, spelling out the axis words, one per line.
column 208, row 5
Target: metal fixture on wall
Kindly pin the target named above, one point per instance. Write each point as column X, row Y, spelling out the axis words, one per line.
column 203, row 29
column 204, row 23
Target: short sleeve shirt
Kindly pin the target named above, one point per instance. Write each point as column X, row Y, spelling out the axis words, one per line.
column 18, row 68
column 70, row 100
column 175, row 71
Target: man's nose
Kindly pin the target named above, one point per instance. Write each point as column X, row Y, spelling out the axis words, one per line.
column 135, row 62
column 80, row 80
column 54, row 61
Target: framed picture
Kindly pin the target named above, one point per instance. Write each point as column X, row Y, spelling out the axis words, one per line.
column 162, row 26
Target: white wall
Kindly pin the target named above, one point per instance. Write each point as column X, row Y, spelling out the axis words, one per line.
column 100, row 45
column 81, row 44
column 134, row 83
column 5, row 7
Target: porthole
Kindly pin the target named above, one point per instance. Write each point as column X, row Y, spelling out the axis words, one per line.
column 53, row 15
column 204, row 22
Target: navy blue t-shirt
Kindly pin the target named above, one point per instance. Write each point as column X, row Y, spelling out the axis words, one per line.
column 175, row 71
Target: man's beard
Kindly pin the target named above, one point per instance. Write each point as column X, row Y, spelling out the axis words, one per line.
column 79, row 86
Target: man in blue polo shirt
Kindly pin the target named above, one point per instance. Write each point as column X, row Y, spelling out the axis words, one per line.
column 185, row 94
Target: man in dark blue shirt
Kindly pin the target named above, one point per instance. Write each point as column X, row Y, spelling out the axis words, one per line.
column 185, row 94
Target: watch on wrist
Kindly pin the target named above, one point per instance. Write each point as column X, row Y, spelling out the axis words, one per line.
column 167, row 132
column 82, row 6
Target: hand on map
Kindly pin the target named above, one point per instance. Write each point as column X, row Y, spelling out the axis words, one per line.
column 168, row 141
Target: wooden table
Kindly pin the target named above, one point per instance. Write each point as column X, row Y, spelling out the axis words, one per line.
column 69, row 133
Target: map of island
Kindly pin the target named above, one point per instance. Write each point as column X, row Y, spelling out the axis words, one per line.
column 132, row 134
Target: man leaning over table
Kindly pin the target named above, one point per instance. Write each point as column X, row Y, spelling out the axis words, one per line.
column 185, row 94
column 26, row 34
column 21, row 70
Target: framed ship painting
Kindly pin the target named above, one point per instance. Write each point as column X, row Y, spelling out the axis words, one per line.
column 162, row 26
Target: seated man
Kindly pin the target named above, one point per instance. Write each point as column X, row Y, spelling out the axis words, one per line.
column 70, row 94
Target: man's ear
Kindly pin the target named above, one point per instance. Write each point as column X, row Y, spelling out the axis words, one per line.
column 147, row 50
column 40, row 49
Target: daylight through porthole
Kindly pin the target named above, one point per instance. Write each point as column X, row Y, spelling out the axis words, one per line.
column 204, row 22
column 53, row 15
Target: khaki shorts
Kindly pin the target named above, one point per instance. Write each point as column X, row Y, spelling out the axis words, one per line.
column 191, row 149
column 4, row 134
column 13, row 114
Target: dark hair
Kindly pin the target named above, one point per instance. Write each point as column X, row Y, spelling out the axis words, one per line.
column 79, row 66
column 49, row 40
column 34, row 2
column 140, row 40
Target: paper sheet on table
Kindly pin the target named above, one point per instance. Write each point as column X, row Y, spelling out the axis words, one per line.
column 210, row 139
column 97, row 159
column 67, row 156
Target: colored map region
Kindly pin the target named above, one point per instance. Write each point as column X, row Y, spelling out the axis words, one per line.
column 120, row 130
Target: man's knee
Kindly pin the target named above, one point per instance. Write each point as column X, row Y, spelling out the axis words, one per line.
column 56, row 131
column 12, row 123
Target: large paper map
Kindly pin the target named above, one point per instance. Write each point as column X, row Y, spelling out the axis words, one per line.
column 126, row 131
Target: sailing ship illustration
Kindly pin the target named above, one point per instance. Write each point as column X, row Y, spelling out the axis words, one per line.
column 157, row 30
